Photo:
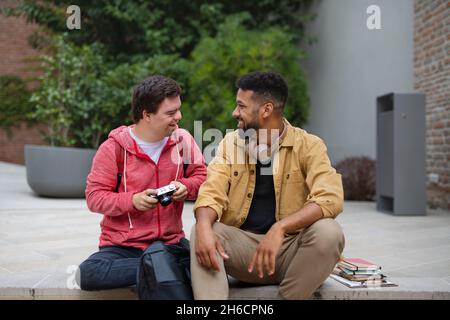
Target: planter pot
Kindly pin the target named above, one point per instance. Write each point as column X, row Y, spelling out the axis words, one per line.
column 58, row 171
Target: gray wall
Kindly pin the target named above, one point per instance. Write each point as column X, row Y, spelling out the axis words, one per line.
column 350, row 65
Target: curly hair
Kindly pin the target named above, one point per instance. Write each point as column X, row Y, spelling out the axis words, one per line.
column 267, row 87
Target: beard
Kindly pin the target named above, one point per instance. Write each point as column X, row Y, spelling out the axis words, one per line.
column 252, row 124
column 247, row 130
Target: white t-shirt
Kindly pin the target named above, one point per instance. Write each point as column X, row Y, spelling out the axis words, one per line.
column 152, row 149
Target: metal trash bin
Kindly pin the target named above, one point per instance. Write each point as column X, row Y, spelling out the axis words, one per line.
column 400, row 178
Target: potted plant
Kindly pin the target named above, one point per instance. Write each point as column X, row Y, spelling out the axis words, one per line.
column 79, row 103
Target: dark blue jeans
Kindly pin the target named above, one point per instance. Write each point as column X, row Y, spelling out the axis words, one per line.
column 110, row 267
column 117, row 267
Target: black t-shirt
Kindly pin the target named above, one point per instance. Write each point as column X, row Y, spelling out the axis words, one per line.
column 261, row 215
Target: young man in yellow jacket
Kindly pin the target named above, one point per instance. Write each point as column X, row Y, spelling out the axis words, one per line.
column 265, row 214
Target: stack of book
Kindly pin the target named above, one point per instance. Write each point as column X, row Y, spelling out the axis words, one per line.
column 359, row 273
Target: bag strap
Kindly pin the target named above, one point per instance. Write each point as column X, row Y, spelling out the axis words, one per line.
column 119, row 159
column 185, row 166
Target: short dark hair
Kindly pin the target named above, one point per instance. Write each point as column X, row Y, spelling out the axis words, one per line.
column 150, row 93
column 267, row 86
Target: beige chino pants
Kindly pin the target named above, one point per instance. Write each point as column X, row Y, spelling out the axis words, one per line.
column 303, row 263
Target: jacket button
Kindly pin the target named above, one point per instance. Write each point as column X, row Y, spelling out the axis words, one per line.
column 252, row 171
column 236, row 173
column 249, row 195
column 287, row 177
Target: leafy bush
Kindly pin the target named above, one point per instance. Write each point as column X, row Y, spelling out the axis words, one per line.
column 146, row 28
column 358, row 178
column 67, row 97
column 217, row 62
column 205, row 45
column 14, row 104
column 82, row 97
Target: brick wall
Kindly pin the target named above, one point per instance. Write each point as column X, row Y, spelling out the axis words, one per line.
column 11, row 148
column 14, row 51
column 432, row 77
column 14, row 47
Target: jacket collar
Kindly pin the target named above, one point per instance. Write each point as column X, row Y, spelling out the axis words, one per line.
column 288, row 139
column 132, row 147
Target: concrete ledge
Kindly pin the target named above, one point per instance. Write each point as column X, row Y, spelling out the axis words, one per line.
column 409, row 289
column 65, row 294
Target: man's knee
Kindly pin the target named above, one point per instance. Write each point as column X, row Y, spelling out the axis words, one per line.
column 89, row 274
column 327, row 235
column 192, row 237
column 220, row 229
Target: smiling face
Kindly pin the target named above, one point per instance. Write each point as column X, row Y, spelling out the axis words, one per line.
column 246, row 111
column 165, row 121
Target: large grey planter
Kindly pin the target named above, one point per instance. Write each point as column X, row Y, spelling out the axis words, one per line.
column 58, row 171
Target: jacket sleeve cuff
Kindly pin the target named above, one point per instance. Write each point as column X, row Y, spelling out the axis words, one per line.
column 126, row 201
column 191, row 195
column 329, row 209
column 213, row 206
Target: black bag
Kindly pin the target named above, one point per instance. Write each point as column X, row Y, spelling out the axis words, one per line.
column 164, row 272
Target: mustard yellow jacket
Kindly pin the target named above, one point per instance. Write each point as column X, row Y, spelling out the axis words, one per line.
column 302, row 174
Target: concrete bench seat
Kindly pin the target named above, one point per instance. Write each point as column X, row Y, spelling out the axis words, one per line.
column 409, row 288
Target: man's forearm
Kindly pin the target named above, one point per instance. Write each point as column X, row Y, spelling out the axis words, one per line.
column 205, row 216
column 301, row 219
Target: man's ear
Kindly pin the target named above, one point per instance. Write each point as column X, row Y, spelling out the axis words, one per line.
column 146, row 116
column 267, row 109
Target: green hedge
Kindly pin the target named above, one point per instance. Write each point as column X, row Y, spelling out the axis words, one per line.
column 14, row 102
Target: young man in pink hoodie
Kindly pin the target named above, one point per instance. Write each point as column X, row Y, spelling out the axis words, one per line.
column 126, row 172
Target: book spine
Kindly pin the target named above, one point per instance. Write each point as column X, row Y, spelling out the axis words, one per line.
column 349, row 266
column 363, row 272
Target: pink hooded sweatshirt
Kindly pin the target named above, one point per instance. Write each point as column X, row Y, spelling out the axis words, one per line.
column 124, row 225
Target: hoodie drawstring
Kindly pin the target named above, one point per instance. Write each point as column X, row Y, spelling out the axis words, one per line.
column 125, row 182
column 178, row 162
